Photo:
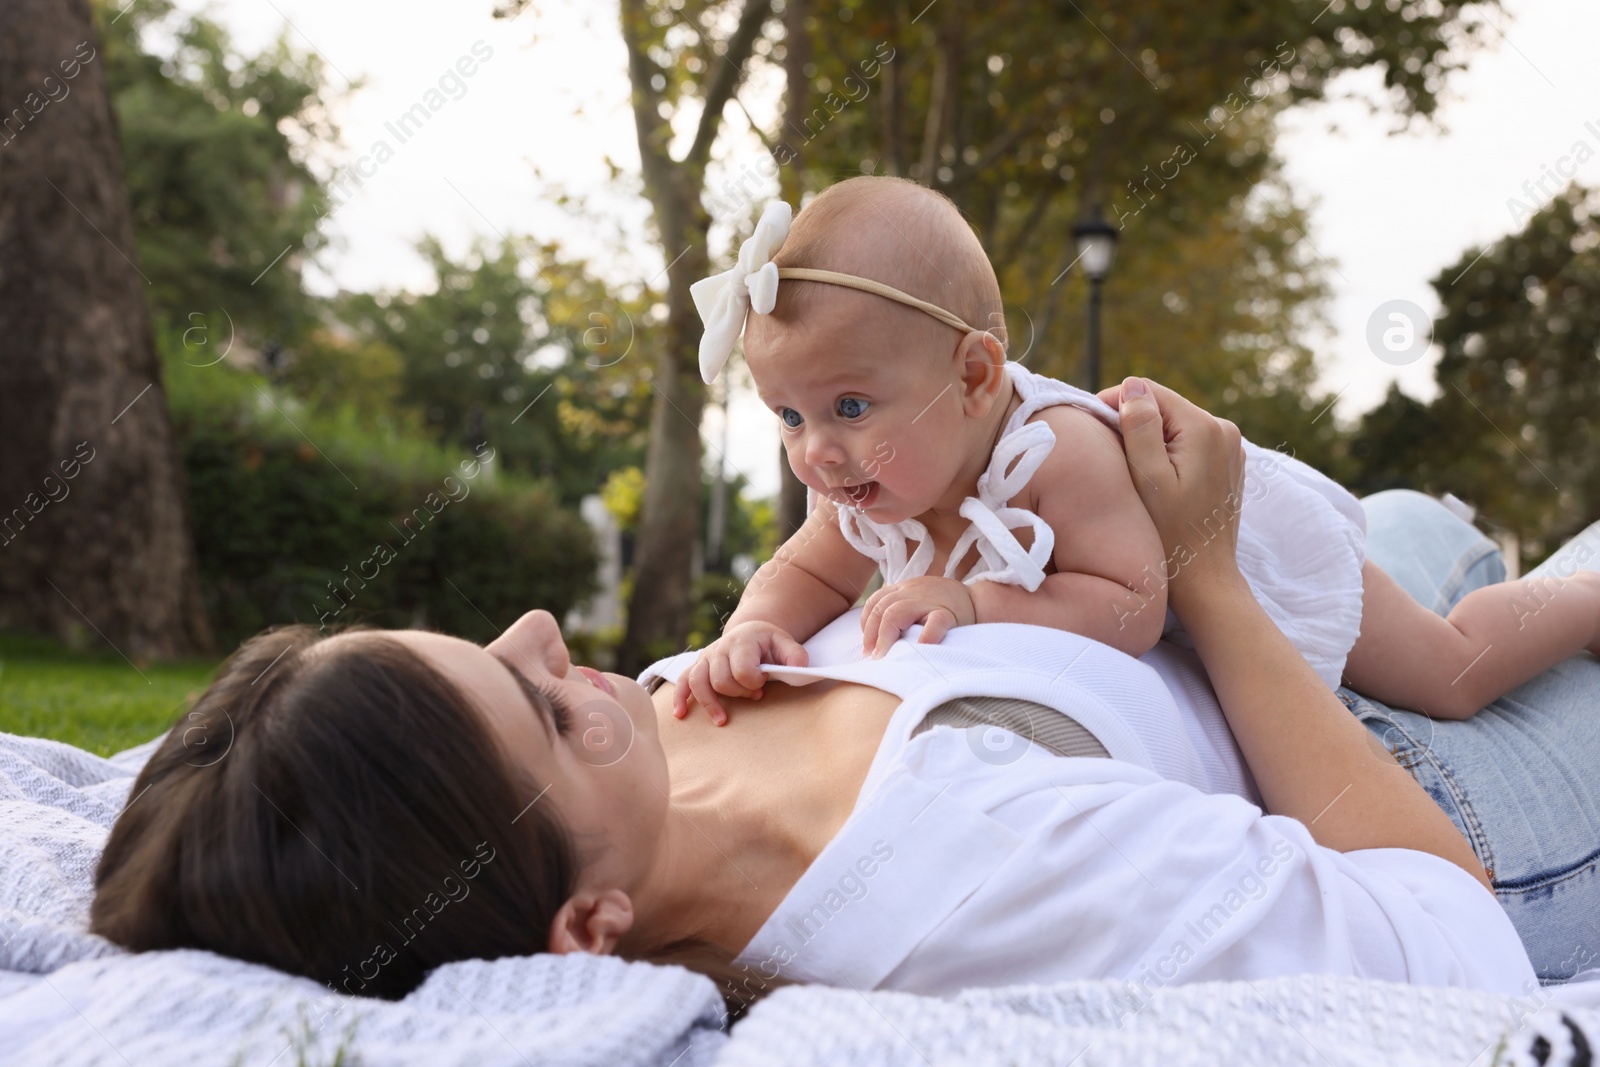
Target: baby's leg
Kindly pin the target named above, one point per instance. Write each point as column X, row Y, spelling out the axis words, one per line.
column 1495, row 638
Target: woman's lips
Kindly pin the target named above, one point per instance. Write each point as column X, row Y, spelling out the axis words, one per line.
column 598, row 680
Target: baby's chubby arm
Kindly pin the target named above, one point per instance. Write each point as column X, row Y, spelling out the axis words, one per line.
column 811, row 580
column 1109, row 582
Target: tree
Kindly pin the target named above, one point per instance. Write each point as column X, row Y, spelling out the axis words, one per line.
column 1025, row 115
column 94, row 531
column 674, row 60
column 498, row 353
column 226, row 209
column 1513, row 429
column 1157, row 112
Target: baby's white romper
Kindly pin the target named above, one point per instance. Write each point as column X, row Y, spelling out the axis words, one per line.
column 1302, row 536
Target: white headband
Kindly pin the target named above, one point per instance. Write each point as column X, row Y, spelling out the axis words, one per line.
column 724, row 300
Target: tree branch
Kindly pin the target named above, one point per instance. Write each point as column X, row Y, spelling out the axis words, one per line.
column 652, row 131
column 725, row 79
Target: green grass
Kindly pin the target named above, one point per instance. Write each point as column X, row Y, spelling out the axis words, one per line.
column 96, row 701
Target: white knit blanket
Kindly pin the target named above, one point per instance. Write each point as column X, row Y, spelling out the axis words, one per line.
column 69, row 998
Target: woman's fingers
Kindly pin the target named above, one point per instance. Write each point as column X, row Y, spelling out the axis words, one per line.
column 1188, row 468
column 1144, row 441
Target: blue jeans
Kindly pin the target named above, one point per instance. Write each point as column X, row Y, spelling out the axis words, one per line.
column 1521, row 778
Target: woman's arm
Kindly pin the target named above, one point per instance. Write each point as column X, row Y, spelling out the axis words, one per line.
column 1312, row 759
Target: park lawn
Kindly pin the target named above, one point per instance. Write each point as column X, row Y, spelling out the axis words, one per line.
column 96, row 701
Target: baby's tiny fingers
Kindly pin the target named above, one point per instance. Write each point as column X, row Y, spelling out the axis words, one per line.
column 706, row 697
column 685, row 689
column 938, row 623
column 897, row 619
column 744, row 664
column 872, row 621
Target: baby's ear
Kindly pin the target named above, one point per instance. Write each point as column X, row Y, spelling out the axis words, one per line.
column 981, row 363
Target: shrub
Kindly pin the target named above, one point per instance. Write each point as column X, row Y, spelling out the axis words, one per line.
column 302, row 515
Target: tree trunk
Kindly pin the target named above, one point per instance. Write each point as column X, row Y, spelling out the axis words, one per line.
column 669, row 523
column 797, row 91
column 93, row 533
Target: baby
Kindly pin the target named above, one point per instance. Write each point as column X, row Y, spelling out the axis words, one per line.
column 986, row 493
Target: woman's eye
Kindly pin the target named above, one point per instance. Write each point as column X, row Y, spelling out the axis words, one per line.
column 853, row 407
column 791, row 418
column 560, row 713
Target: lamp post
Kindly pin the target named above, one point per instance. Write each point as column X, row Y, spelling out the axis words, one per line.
column 1097, row 247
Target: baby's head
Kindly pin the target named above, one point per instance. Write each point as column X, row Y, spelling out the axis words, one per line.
column 884, row 407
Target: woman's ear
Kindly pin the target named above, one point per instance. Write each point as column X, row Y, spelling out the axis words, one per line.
column 980, row 361
column 591, row 921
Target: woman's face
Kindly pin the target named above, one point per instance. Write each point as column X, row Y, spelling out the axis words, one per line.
column 588, row 740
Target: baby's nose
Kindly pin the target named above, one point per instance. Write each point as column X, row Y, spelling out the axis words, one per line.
column 821, row 451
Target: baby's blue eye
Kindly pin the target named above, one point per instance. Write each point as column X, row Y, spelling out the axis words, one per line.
column 791, row 418
column 853, row 407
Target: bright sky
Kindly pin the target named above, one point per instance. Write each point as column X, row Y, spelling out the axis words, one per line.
column 549, row 104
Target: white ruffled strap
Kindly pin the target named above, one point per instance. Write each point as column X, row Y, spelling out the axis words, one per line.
column 888, row 546
column 725, row 299
column 1001, row 557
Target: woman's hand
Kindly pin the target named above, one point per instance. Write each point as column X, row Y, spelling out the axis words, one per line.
column 1311, row 759
column 1188, row 468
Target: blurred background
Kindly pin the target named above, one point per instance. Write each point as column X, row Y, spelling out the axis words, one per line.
column 379, row 314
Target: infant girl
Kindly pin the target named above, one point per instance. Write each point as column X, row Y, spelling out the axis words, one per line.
column 986, row 493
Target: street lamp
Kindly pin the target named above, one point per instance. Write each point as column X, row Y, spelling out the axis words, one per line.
column 1097, row 247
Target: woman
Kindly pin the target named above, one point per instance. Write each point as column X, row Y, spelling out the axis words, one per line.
column 394, row 801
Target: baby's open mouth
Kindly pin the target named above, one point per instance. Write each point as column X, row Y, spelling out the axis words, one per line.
column 862, row 495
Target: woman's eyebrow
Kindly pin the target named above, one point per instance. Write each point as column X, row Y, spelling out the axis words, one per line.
column 541, row 705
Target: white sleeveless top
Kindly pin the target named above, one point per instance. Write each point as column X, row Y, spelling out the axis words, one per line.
column 1157, row 712
column 1302, row 537
column 974, row 858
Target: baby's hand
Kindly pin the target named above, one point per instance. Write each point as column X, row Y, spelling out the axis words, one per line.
column 731, row 665
column 938, row 603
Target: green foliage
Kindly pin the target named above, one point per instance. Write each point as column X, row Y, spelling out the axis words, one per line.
column 332, row 371
column 301, row 515
column 623, row 495
column 95, row 699
column 1514, row 427
column 520, row 349
column 215, row 150
column 715, row 597
column 1160, row 112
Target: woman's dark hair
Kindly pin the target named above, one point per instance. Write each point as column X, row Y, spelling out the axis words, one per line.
column 342, row 814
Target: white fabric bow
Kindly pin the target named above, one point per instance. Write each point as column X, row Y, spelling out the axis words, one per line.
column 723, row 300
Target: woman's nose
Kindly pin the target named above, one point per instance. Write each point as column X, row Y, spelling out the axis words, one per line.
column 536, row 635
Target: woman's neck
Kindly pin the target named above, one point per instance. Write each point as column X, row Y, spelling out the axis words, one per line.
column 714, row 882
column 753, row 804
